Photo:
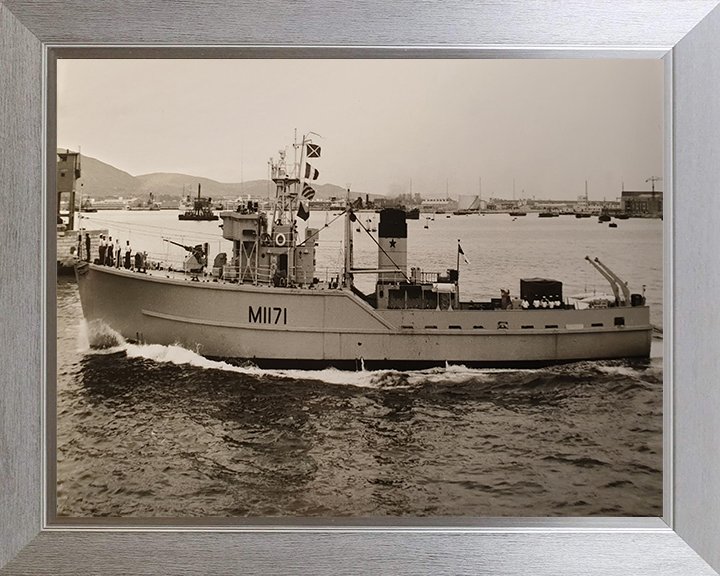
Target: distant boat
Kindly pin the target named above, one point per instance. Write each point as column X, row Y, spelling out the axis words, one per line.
column 612, row 225
column 622, row 216
column 150, row 204
column 201, row 210
column 548, row 215
column 413, row 214
column 584, row 211
column 87, row 206
column 518, row 213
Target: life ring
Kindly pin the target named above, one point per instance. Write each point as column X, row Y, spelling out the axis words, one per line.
column 280, row 239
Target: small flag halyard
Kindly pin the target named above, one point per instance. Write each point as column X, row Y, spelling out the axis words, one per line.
column 311, row 173
column 460, row 251
column 313, row 151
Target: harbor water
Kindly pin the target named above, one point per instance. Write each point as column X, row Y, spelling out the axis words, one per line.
column 159, row 431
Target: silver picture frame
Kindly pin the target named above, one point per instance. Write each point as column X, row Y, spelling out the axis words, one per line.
column 684, row 33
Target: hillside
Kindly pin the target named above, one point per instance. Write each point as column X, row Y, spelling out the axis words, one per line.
column 100, row 180
column 162, row 183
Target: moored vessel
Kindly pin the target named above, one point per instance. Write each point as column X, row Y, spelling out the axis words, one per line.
column 201, row 210
column 263, row 301
column 148, row 204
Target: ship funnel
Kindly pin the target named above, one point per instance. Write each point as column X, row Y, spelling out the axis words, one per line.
column 392, row 241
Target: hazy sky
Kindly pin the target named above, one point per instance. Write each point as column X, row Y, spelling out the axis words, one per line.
column 548, row 124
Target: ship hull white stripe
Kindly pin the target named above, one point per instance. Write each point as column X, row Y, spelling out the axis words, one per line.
column 461, row 332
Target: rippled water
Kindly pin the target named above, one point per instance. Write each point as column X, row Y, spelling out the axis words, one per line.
column 151, row 431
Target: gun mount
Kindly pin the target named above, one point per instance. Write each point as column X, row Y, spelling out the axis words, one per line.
column 196, row 260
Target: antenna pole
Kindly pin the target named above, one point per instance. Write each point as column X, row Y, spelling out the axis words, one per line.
column 653, row 179
column 479, row 194
column 80, row 222
column 457, row 267
column 347, row 277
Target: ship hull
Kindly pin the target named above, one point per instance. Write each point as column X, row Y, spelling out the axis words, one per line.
column 289, row 327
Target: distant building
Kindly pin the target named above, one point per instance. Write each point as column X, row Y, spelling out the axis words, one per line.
column 435, row 203
column 500, row 204
column 642, row 203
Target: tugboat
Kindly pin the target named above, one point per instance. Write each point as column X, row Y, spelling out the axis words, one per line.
column 201, row 210
column 412, row 213
column 263, row 303
column 87, row 206
column 150, row 204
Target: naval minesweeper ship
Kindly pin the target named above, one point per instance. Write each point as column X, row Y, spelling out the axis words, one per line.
column 263, row 303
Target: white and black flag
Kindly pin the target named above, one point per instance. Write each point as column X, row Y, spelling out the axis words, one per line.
column 311, row 173
column 308, row 192
column 313, row 151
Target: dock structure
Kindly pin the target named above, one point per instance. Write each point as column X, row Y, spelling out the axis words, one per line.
column 70, row 242
column 68, row 173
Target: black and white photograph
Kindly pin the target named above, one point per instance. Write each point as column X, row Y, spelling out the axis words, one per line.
column 359, row 288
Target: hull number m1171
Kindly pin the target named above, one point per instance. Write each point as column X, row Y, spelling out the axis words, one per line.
column 267, row 315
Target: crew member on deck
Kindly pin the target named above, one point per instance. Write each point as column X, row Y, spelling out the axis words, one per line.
column 128, row 251
column 109, row 252
column 118, row 254
column 101, row 249
column 139, row 262
column 87, row 247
